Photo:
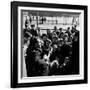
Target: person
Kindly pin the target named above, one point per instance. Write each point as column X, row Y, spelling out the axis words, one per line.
column 68, row 31
column 74, row 30
column 54, row 40
column 30, row 62
column 55, row 28
column 30, row 19
column 67, row 39
column 54, row 60
column 33, row 43
column 47, row 44
column 27, row 24
column 64, row 52
column 33, row 31
column 49, row 34
column 60, row 33
column 41, row 66
column 75, row 54
column 44, row 37
column 38, row 31
column 26, row 32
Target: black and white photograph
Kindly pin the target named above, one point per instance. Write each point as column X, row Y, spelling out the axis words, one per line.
column 50, row 44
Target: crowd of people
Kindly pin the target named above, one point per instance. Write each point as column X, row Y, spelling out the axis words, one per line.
column 53, row 53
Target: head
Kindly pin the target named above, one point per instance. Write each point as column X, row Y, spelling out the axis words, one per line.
column 48, row 31
column 72, row 27
column 55, row 47
column 68, row 28
column 66, row 37
column 60, row 42
column 27, row 23
column 55, row 28
column 76, row 37
column 33, row 26
column 44, row 37
column 54, row 34
column 60, row 29
column 48, row 43
column 55, row 39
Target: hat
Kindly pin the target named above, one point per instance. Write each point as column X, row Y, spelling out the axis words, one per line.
column 32, row 25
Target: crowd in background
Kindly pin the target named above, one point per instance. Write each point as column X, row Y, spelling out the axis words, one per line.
column 53, row 53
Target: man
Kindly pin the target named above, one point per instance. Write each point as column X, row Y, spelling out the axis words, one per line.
column 60, row 33
column 68, row 31
column 46, row 46
column 55, row 28
column 49, row 34
column 40, row 66
column 75, row 54
column 30, row 56
column 54, row 60
column 26, row 31
column 33, row 31
column 67, row 39
column 64, row 57
column 54, row 40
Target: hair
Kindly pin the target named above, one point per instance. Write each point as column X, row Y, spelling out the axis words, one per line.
column 44, row 35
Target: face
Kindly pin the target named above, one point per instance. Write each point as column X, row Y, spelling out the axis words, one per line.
column 66, row 39
column 60, row 43
column 54, row 40
column 37, row 57
column 54, row 47
column 37, row 45
column 44, row 38
column 75, row 38
column 37, row 53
